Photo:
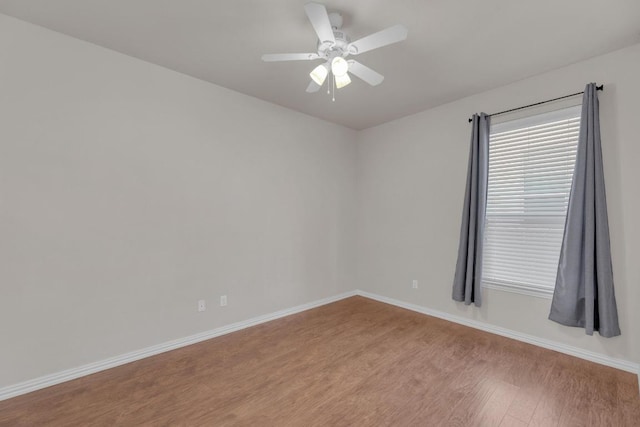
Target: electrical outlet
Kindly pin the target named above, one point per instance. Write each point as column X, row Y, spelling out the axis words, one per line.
column 223, row 300
column 202, row 305
column 414, row 284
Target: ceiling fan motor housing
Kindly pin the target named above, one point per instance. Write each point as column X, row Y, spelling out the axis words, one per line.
column 329, row 51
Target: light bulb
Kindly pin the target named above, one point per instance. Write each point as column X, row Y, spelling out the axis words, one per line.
column 339, row 66
column 342, row 81
column 319, row 74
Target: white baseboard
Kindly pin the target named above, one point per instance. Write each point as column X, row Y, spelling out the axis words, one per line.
column 91, row 368
column 602, row 359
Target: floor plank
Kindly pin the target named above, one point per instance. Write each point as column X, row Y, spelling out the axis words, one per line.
column 510, row 421
column 356, row 362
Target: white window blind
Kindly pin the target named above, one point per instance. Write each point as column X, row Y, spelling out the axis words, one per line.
column 531, row 163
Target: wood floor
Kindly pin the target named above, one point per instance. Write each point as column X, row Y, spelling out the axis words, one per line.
column 356, row 362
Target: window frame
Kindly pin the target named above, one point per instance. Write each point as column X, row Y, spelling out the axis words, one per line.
column 532, row 119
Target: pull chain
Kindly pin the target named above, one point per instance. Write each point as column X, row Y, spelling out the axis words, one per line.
column 333, row 86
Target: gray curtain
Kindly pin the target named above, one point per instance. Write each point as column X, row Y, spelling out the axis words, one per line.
column 584, row 295
column 468, row 276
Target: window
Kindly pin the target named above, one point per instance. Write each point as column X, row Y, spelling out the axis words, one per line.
column 531, row 163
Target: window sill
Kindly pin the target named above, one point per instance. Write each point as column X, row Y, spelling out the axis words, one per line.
column 519, row 289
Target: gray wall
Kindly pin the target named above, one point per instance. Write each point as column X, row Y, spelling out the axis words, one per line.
column 128, row 192
column 411, row 177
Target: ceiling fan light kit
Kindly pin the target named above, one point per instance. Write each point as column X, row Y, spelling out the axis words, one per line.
column 339, row 66
column 342, row 81
column 319, row 74
column 334, row 45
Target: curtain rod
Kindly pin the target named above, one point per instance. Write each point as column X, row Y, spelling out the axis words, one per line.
column 601, row 87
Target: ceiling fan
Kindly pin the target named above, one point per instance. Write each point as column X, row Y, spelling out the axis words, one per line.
column 334, row 45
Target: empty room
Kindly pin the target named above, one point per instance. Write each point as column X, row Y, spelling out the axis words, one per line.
column 319, row 213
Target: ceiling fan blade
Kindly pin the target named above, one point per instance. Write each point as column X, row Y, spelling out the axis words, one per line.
column 385, row 37
column 273, row 57
column 365, row 73
column 319, row 18
column 313, row 87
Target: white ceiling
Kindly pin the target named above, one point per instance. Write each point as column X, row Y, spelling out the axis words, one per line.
column 455, row 48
